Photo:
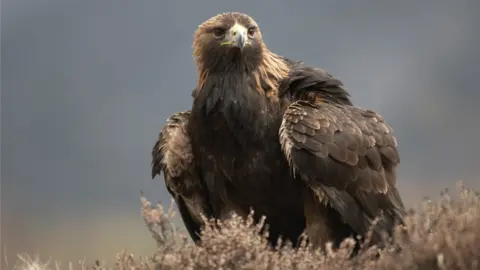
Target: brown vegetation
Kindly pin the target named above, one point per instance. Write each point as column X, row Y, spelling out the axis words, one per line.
column 442, row 234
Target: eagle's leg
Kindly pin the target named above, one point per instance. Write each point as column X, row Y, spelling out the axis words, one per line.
column 323, row 223
column 317, row 229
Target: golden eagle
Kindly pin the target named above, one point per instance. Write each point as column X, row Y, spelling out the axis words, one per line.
column 279, row 137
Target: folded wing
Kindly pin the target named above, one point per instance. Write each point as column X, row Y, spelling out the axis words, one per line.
column 347, row 155
column 172, row 155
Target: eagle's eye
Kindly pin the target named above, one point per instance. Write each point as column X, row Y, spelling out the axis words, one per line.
column 251, row 32
column 218, row 32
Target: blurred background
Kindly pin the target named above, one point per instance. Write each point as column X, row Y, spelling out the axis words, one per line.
column 87, row 85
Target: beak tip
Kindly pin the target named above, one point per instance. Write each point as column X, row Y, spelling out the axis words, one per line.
column 241, row 42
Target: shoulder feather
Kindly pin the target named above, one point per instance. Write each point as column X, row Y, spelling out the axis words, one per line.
column 172, row 152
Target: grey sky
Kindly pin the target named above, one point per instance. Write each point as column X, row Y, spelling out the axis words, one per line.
column 86, row 86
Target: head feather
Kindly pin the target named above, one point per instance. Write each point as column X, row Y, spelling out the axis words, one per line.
column 266, row 72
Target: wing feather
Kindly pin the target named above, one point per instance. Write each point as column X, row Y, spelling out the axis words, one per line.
column 348, row 154
column 172, row 155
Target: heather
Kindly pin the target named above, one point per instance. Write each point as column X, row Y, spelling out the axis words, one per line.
column 441, row 233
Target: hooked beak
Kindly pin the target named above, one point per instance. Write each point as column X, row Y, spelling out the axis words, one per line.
column 237, row 37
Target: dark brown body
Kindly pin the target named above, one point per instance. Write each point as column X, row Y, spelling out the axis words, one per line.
column 248, row 170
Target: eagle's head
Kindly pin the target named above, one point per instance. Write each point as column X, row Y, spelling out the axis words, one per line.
column 228, row 41
column 231, row 44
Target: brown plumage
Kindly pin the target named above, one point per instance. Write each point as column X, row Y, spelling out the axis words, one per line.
column 278, row 136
